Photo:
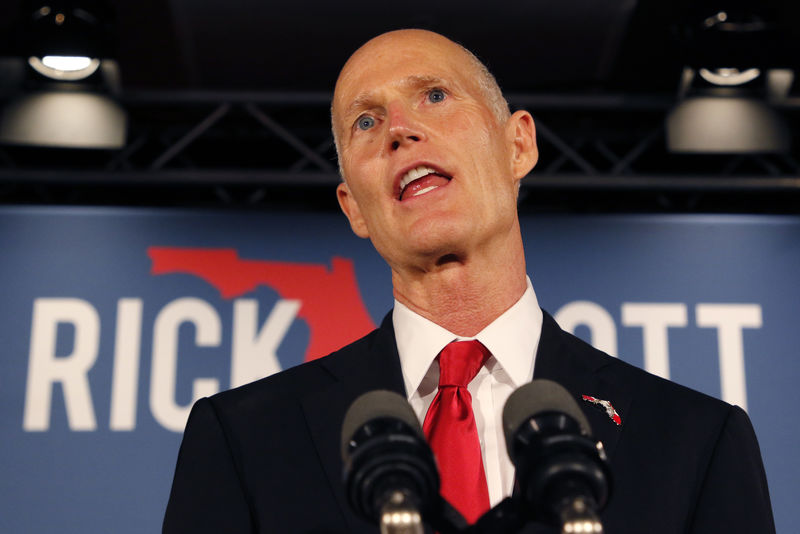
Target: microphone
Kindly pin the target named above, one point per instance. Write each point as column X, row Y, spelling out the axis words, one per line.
column 389, row 471
column 563, row 474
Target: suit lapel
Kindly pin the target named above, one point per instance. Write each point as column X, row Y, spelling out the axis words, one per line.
column 373, row 365
column 580, row 372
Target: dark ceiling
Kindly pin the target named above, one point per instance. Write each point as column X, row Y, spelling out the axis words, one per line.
column 534, row 45
column 227, row 94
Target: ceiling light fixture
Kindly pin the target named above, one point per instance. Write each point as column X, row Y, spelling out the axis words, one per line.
column 729, row 77
column 66, row 68
column 66, row 40
column 67, row 98
column 731, row 89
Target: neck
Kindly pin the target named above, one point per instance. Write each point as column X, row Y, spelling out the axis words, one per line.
column 464, row 293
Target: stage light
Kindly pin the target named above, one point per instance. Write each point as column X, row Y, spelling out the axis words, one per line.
column 726, row 125
column 728, row 77
column 731, row 88
column 67, row 68
column 66, row 63
column 66, row 39
column 730, row 119
column 67, row 97
column 64, row 119
column 67, row 114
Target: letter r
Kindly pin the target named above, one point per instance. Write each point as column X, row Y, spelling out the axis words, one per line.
column 45, row 369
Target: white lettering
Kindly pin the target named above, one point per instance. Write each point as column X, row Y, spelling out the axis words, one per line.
column 654, row 319
column 601, row 325
column 208, row 332
column 45, row 369
column 125, row 380
column 255, row 354
column 729, row 320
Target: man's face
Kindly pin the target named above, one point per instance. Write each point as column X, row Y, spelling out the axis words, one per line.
column 429, row 170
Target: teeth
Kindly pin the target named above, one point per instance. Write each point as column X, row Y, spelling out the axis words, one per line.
column 415, row 173
column 423, row 191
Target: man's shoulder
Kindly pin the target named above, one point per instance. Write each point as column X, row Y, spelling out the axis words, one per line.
column 693, row 453
column 652, row 391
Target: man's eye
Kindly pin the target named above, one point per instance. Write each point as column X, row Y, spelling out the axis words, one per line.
column 366, row 122
column 436, row 95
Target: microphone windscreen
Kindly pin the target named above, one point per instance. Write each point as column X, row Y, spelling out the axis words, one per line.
column 537, row 397
column 374, row 405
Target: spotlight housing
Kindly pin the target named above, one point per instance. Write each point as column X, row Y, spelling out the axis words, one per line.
column 67, row 96
column 726, row 125
column 64, row 119
column 65, row 68
column 730, row 76
column 66, row 40
column 732, row 85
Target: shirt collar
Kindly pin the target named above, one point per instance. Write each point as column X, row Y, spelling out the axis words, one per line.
column 512, row 339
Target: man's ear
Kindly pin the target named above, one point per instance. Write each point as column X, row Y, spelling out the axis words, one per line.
column 524, row 152
column 350, row 208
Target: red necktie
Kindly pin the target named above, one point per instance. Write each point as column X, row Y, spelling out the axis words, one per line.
column 451, row 432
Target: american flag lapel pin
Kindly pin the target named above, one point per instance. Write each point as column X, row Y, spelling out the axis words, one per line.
column 606, row 405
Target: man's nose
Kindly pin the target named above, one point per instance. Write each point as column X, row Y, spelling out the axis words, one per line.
column 404, row 129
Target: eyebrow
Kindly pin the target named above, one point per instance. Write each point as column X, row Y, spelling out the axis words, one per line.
column 367, row 99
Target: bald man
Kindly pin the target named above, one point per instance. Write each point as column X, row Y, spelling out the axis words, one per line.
column 431, row 160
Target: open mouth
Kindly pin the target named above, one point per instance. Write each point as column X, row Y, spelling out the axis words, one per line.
column 421, row 180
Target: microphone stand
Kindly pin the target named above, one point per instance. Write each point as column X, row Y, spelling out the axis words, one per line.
column 445, row 519
column 509, row 517
column 400, row 515
column 505, row 518
column 579, row 515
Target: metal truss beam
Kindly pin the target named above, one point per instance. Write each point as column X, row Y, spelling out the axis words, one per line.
column 534, row 181
column 282, row 139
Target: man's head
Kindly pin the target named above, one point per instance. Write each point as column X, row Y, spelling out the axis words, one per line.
column 430, row 156
column 486, row 80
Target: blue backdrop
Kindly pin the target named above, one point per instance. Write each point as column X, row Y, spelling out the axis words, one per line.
column 114, row 320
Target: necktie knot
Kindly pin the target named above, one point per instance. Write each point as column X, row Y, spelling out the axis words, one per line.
column 460, row 361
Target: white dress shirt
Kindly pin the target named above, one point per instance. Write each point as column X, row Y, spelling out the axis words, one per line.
column 512, row 338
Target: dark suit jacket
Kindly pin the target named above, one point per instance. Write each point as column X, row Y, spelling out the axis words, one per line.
column 265, row 457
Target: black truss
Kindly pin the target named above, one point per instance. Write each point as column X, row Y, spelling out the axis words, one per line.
column 597, row 153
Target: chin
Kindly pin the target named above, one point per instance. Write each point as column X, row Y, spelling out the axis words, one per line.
column 435, row 236
column 447, row 247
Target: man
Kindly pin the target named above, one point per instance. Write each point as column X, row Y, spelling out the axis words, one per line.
column 431, row 160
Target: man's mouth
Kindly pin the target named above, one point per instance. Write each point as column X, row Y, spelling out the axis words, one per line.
column 421, row 180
